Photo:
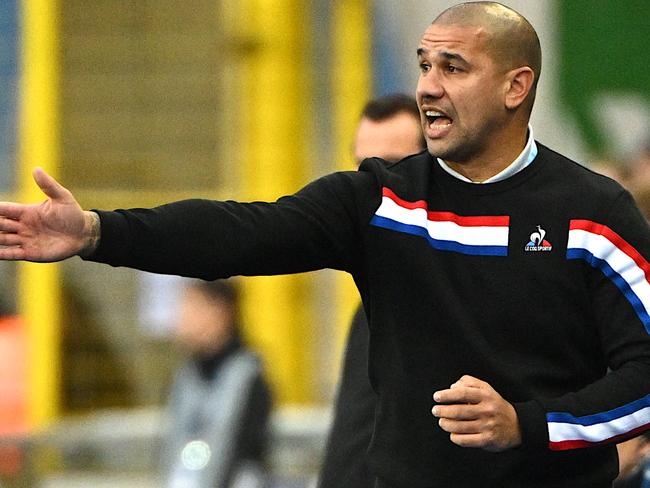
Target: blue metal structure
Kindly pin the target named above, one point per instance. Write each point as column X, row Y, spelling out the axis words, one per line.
column 8, row 92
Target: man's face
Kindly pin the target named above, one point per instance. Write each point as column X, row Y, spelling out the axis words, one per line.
column 391, row 139
column 204, row 323
column 460, row 94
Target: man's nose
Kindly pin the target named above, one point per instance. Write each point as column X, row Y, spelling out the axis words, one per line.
column 429, row 85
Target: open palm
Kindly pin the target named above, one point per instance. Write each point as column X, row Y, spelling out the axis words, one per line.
column 49, row 231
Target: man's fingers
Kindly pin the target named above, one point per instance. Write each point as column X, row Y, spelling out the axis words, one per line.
column 11, row 210
column 459, row 394
column 49, row 185
column 457, row 412
column 482, row 440
column 461, row 426
column 9, row 225
column 467, row 389
column 468, row 440
column 475, row 415
column 10, row 239
column 12, row 254
column 471, row 381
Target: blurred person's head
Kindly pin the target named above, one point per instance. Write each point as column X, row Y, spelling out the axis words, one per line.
column 610, row 169
column 632, row 454
column 639, row 167
column 642, row 198
column 479, row 67
column 207, row 318
column 389, row 129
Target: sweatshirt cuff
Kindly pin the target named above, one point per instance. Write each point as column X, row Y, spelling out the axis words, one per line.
column 111, row 224
column 532, row 421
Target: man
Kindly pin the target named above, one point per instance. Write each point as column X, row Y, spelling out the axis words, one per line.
column 220, row 403
column 495, row 273
column 389, row 129
column 634, row 463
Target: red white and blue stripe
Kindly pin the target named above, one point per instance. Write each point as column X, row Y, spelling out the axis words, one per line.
column 569, row 432
column 604, row 249
column 444, row 231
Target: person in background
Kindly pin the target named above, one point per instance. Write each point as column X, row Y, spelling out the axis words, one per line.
column 389, row 129
column 634, row 454
column 220, row 403
column 638, row 179
column 634, row 463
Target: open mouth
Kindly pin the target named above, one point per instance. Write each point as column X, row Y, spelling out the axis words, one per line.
column 437, row 119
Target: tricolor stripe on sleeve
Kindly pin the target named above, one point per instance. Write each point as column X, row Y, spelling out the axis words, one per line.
column 569, row 432
column 604, row 249
column 444, row 231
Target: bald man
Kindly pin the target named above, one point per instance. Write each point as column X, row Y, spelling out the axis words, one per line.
column 498, row 277
column 389, row 129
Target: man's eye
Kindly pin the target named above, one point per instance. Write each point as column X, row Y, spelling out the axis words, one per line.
column 452, row 69
column 424, row 67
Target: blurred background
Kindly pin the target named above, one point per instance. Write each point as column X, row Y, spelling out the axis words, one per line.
column 139, row 102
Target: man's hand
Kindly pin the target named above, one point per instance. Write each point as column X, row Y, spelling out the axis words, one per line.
column 50, row 231
column 477, row 416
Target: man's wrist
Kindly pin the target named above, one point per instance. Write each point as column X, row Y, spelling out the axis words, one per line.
column 92, row 233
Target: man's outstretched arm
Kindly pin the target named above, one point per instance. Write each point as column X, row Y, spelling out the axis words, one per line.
column 53, row 230
column 317, row 227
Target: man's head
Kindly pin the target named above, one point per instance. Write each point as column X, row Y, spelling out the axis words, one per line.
column 479, row 64
column 389, row 129
column 207, row 316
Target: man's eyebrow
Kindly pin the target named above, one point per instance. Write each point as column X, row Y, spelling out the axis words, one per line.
column 444, row 54
column 452, row 57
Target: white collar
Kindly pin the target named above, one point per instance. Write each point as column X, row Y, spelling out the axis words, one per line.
column 524, row 159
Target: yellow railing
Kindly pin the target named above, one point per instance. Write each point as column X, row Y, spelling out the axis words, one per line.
column 39, row 295
column 272, row 105
column 351, row 88
column 271, row 96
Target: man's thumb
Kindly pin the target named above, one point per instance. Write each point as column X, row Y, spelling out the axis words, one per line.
column 49, row 185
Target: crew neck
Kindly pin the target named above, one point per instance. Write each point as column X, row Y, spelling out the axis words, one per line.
column 525, row 158
column 513, row 180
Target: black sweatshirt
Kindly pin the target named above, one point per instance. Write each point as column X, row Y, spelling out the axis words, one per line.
column 345, row 464
column 536, row 284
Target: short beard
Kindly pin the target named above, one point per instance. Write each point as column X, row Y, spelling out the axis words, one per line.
column 460, row 154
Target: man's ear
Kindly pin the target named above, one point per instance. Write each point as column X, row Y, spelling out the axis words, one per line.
column 520, row 83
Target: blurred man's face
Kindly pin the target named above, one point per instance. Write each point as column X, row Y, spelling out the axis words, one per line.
column 631, row 455
column 391, row 139
column 205, row 324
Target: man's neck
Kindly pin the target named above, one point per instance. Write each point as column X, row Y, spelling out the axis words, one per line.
column 509, row 160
